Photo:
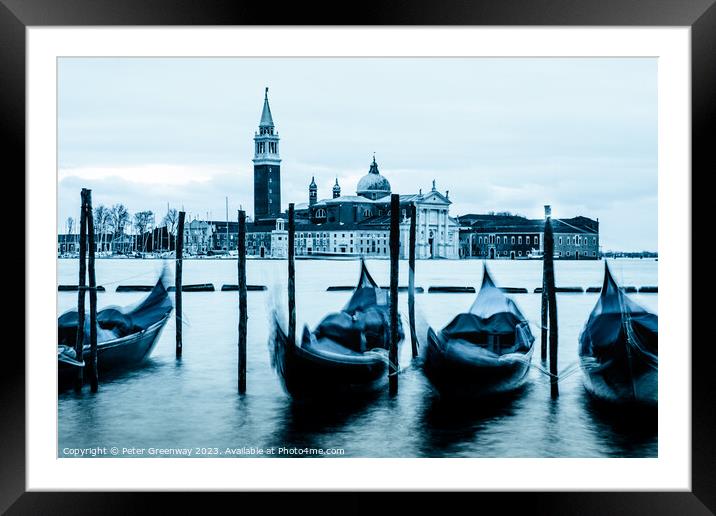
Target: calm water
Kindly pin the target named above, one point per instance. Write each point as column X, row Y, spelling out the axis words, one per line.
column 194, row 402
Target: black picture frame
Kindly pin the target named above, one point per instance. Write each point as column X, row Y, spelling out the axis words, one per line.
column 699, row 15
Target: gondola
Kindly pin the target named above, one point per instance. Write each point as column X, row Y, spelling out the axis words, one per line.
column 618, row 349
column 347, row 353
column 486, row 351
column 125, row 337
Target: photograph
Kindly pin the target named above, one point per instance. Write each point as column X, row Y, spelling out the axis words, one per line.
column 357, row 257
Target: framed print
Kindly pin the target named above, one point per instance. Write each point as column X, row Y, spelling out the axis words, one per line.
column 509, row 185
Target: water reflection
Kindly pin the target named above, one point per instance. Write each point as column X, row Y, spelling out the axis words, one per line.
column 318, row 423
column 448, row 424
column 622, row 431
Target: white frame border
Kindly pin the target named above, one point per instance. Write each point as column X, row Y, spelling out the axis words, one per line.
column 670, row 471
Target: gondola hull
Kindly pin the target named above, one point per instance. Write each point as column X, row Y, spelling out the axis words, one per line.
column 323, row 369
column 618, row 349
column 621, row 383
column 459, row 369
column 117, row 354
column 626, row 376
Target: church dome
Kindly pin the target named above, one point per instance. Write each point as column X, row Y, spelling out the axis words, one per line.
column 373, row 185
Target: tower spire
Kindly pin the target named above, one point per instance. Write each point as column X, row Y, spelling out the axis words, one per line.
column 373, row 166
column 336, row 189
column 266, row 119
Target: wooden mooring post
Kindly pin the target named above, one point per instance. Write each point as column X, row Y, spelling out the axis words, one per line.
column 80, row 340
column 243, row 316
column 291, row 278
column 545, row 311
column 178, row 283
column 394, row 256
column 411, row 281
column 549, row 286
column 94, row 380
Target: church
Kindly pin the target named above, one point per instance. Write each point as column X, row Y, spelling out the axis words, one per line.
column 341, row 225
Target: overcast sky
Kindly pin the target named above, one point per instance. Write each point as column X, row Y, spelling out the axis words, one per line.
column 499, row 134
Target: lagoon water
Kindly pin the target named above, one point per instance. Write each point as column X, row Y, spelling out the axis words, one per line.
column 193, row 403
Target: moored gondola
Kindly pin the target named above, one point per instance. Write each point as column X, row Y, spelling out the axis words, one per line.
column 125, row 337
column 486, row 351
column 347, row 353
column 618, row 349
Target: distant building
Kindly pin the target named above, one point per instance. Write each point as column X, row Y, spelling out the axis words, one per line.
column 360, row 224
column 198, row 237
column 515, row 237
column 124, row 244
column 340, row 225
column 70, row 243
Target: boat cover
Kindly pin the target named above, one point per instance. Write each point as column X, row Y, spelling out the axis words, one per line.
column 492, row 313
column 115, row 322
column 364, row 323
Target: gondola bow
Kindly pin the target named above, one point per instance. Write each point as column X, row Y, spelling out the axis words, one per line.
column 618, row 348
column 345, row 354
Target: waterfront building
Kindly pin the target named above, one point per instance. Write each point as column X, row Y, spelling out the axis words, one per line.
column 198, row 237
column 70, row 243
column 340, row 225
column 506, row 236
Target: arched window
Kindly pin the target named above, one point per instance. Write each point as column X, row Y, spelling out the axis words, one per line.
column 320, row 213
column 367, row 213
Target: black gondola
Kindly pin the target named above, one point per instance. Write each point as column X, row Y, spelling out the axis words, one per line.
column 618, row 348
column 347, row 353
column 125, row 337
column 483, row 352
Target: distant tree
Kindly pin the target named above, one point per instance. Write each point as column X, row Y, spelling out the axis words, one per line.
column 142, row 222
column 119, row 218
column 102, row 223
column 70, row 225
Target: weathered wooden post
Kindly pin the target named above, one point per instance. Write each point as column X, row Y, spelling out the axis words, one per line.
column 549, row 286
column 394, row 256
column 177, row 282
column 80, row 341
column 545, row 308
column 243, row 316
column 94, row 382
column 291, row 279
column 411, row 281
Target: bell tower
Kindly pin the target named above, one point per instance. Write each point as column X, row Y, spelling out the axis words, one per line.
column 267, row 168
column 312, row 192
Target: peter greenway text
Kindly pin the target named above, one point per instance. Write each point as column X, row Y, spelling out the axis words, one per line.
column 242, row 451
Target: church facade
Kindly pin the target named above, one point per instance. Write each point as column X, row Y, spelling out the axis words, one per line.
column 360, row 224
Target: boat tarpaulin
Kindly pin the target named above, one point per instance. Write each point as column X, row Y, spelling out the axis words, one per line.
column 114, row 322
column 615, row 318
column 364, row 322
column 492, row 313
